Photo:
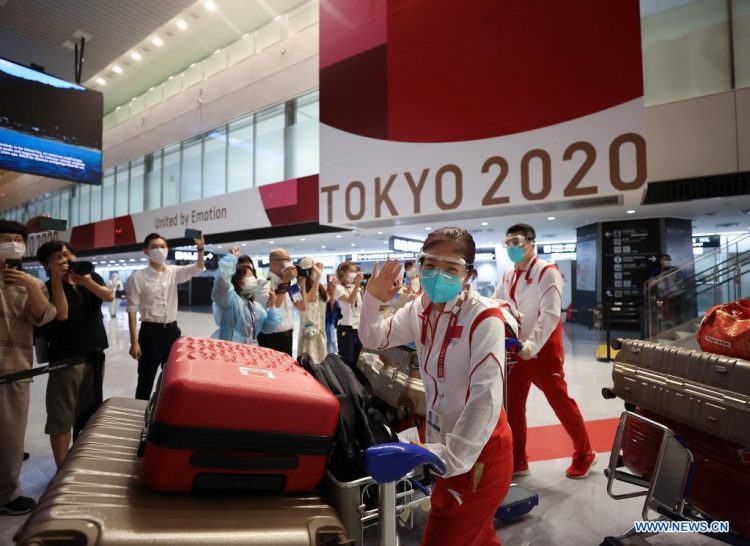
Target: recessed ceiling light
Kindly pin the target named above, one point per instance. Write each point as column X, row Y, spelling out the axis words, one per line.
column 490, row 243
column 101, row 81
column 217, row 51
column 116, row 69
column 218, row 246
column 270, row 242
column 135, row 56
column 485, row 223
column 354, row 244
column 631, row 211
column 322, row 246
column 338, row 236
column 302, row 239
column 550, row 217
column 428, row 229
column 182, row 25
column 244, row 244
column 158, row 42
column 209, row 5
column 380, row 233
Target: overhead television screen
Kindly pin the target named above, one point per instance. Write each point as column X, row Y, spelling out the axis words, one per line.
column 48, row 126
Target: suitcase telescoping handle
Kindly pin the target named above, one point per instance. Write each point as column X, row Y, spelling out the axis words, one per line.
column 148, row 417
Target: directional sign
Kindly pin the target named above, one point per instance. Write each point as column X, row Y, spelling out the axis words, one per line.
column 630, row 251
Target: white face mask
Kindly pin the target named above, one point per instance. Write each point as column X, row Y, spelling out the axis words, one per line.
column 158, row 255
column 249, row 285
column 12, row 250
column 350, row 277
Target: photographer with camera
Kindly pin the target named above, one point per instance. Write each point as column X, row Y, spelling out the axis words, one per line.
column 24, row 303
column 312, row 332
column 76, row 337
column 288, row 296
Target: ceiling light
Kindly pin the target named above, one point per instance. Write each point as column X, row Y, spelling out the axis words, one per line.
column 135, row 56
column 428, row 229
column 302, row 239
column 101, row 81
column 490, row 243
column 380, row 233
column 182, row 25
column 338, row 236
column 116, row 69
column 217, row 51
column 631, row 211
column 354, row 244
column 158, row 42
column 131, row 260
column 550, row 217
column 322, row 246
column 485, row 223
column 218, row 246
column 209, row 5
column 270, row 242
column 244, row 244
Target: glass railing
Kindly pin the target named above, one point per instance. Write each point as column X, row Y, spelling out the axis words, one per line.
column 676, row 300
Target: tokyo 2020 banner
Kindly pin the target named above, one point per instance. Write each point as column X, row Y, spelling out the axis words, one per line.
column 491, row 107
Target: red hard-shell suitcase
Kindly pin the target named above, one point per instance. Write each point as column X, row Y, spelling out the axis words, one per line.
column 721, row 479
column 229, row 416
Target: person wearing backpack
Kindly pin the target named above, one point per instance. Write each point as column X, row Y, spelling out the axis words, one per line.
column 459, row 337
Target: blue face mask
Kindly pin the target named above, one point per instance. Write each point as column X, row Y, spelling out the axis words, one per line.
column 516, row 253
column 440, row 286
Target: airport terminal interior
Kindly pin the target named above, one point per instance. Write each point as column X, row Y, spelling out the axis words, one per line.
column 599, row 153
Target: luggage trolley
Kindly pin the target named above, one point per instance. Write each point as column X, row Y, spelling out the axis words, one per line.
column 668, row 489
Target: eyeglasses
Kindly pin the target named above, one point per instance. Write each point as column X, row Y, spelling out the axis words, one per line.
column 515, row 241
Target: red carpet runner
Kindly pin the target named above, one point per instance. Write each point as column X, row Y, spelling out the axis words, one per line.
column 552, row 442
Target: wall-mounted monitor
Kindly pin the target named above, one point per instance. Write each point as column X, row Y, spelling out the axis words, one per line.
column 49, row 126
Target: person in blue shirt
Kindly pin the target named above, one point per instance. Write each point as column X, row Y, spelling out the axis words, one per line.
column 236, row 312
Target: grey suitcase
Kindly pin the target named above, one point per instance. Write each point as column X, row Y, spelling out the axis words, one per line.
column 97, row 498
column 705, row 391
column 394, row 377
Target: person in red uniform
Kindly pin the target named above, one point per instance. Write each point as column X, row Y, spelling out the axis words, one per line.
column 459, row 337
column 535, row 288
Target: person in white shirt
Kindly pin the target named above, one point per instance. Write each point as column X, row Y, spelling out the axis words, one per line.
column 115, row 285
column 535, row 288
column 280, row 337
column 460, row 345
column 349, row 296
column 152, row 292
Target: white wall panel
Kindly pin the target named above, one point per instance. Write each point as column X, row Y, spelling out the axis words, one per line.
column 691, row 138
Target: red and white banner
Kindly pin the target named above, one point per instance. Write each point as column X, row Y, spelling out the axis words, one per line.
column 428, row 109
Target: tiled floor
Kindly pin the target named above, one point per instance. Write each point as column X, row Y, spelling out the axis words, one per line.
column 570, row 512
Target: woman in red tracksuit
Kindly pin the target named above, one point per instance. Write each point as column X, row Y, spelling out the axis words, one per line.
column 460, row 342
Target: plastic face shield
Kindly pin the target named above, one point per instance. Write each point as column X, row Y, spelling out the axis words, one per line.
column 515, row 241
column 431, row 265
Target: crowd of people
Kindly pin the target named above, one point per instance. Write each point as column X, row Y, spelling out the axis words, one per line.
column 428, row 305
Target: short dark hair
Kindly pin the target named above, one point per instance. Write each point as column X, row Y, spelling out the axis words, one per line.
column 245, row 259
column 150, row 237
column 49, row 248
column 408, row 263
column 461, row 238
column 16, row 228
column 666, row 256
column 526, row 229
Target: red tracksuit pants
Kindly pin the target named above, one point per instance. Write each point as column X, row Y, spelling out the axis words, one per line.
column 548, row 376
column 464, row 506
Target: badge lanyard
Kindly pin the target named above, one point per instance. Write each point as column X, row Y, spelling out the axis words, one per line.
column 512, row 291
column 450, row 330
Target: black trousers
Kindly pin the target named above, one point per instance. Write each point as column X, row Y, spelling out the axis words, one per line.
column 156, row 341
column 349, row 345
column 280, row 341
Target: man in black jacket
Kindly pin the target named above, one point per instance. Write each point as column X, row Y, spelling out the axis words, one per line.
column 77, row 337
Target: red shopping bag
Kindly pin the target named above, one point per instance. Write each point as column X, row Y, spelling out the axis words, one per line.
column 725, row 329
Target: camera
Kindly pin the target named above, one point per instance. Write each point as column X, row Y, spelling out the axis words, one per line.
column 81, row 267
column 304, row 267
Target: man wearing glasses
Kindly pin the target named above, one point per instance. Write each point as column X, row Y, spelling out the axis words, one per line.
column 535, row 288
column 282, row 273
